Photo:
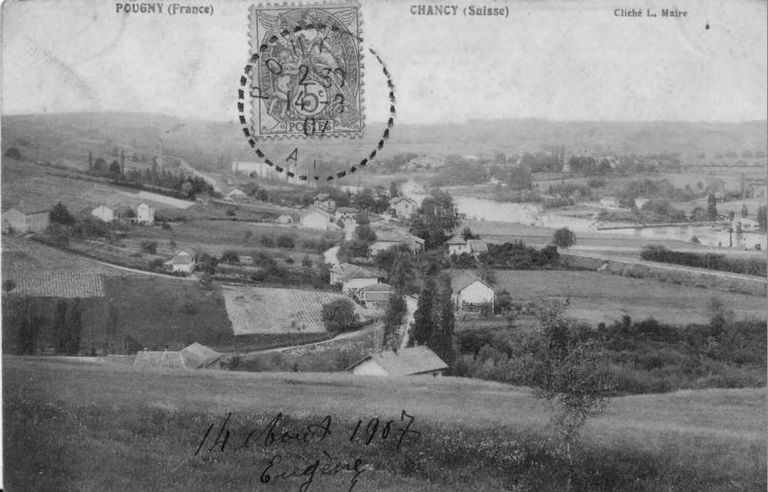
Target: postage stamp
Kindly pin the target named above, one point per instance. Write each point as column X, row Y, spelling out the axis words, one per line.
column 307, row 81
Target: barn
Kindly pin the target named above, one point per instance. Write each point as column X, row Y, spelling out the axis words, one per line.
column 413, row 361
column 471, row 293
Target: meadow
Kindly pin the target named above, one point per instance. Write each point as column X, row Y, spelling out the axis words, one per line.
column 602, row 297
column 116, row 428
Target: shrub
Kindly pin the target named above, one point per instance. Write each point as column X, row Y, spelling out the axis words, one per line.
column 306, row 262
column 13, row 153
column 230, row 256
column 267, row 242
column 285, row 241
column 564, row 238
column 60, row 215
column 149, row 247
column 339, row 315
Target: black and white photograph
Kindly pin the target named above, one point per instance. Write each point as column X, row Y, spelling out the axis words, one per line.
column 384, row 245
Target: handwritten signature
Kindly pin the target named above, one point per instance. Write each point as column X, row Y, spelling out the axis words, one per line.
column 277, row 433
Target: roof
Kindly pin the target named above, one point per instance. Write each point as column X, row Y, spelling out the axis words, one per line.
column 347, row 210
column 284, row 218
column 377, row 288
column 182, row 258
column 456, row 240
column 235, row 192
column 160, row 359
column 461, row 279
column 402, row 198
column 314, row 210
column 406, row 362
column 28, row 209
column 477, row 245
column 198, row 355
column 348, row 271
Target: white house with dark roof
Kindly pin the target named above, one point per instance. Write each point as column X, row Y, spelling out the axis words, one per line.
column 103, row 213
column 403, row 206
column 413, row 361
column 470, row 292
column 145, row 214
column 352, row 277
column 181, row 262
column 376, row 296
column 235, row 195
column 325, row 202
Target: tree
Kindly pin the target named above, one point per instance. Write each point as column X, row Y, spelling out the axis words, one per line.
column 8, row 285
column 403, row 272
column 285, row 241
column 393, row 189
column 424, row 322
column 712, row 207
column 435, row 219
column 230, row 256
column 74, row 328
column 339, row 315
column 564, row 238
column 114, row 169
column 744, row 211
column 149, row 247
column 467, row 234
column 29, row 322
column 442, row 336
column 13, row 153
column 112, row 325
column 306, row 261
column 573, row 377
column 60, row 215
column 365, row 233
column 393, row 319
column 762, row 218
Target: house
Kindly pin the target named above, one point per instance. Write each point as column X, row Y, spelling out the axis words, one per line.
column 609, row 202
column 352, row 277
column 389, row 237
column 316, row 218
column 22, row 220
column 145, row 214
column 235, row 195
column 458, row 246
column 376, row 296
column 181, row 262
column 324, row 201
column 471, row 293
column 413, row 361
column 103, row 213
column 403, row 206
column 284, row 220
column 195, row 356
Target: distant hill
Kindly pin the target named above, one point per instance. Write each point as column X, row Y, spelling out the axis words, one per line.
column 213, row 145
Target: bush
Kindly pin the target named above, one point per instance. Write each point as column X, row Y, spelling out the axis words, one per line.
column 60, row 215
column 564, row 238
column 339, row 315
column 267, row 242
column 156, row 265
column 149, row 247
column 230, row 256
column 13, row 153
column 285, row 241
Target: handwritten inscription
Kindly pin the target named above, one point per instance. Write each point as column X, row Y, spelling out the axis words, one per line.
column 278, row 433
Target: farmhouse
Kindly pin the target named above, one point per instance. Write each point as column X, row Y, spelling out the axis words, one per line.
column 323, row 201
column 352, row 277
column 195, row 356
column 471, row 293
column 458, row 246
column 403, row 207
column 103, row 213
column 316, row 218
column 23, row 220
column 376, row 296
column 181, row 262
column 145, row 214
column 414, row 361
column 387, row 238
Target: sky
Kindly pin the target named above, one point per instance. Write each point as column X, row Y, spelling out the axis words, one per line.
column 549, row 60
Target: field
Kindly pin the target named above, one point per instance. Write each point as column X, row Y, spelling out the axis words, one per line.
column 602, row 297
column 36, row 186
column 255, row 310
column 115, row 428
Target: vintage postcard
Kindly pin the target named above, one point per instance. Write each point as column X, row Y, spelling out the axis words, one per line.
column 363, row 245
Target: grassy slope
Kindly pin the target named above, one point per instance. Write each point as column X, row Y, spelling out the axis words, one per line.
column 603, row 297
column 116, row 428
